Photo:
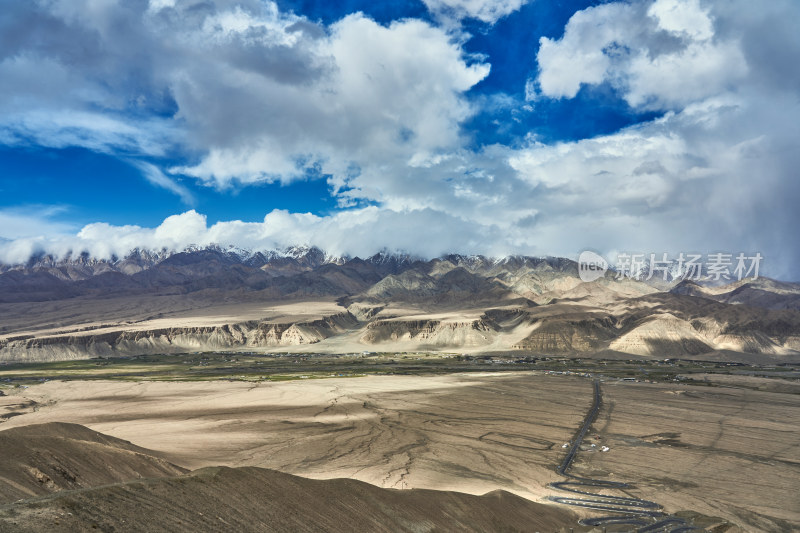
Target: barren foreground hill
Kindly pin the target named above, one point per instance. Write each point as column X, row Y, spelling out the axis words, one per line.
column 44, row 458
column 216, row 300
column 99, row 483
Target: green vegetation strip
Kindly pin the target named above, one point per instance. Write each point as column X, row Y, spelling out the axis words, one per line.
column 261, row 368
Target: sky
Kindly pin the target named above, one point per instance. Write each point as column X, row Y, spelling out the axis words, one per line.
column 535, row 127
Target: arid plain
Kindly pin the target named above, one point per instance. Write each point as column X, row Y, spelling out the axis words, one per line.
column 686, row 447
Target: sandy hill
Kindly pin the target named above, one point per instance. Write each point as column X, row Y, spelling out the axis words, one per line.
column 91, row 482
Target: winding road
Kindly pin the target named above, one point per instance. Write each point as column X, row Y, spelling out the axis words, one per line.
column 642, row 515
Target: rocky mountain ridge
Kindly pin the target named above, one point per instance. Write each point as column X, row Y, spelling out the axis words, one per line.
column 304, row 299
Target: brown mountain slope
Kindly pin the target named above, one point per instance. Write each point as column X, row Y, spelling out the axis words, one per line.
column 45, row 458
column 226, row 499
column 762, row 292
column 569, row 334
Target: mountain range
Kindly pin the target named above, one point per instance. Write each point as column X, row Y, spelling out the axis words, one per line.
column 303, row 299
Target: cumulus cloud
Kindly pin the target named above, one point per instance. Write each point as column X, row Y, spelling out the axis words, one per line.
column 659, row 55
column 713, row 172
column 391, row 94
column 247, row 92
column 489, row 11
column 688, row 181
column 251, row 94
column 66, row 73
column 358, row 232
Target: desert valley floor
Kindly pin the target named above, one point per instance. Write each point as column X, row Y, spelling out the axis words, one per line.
column 688, row 447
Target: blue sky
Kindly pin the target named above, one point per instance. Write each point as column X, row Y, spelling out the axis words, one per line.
column 477, row 126
column 77, row 179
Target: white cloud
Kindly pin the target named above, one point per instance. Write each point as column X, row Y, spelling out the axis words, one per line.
column 489, row 11
column 659, row 55
column 354, row 232
column 712, row 173
column 155, row 176
column 97, row 131
column 391, row 93
column 682, row 16
column 158, row 5
column 672, row 80
column 253, row 93
column 258, row 95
